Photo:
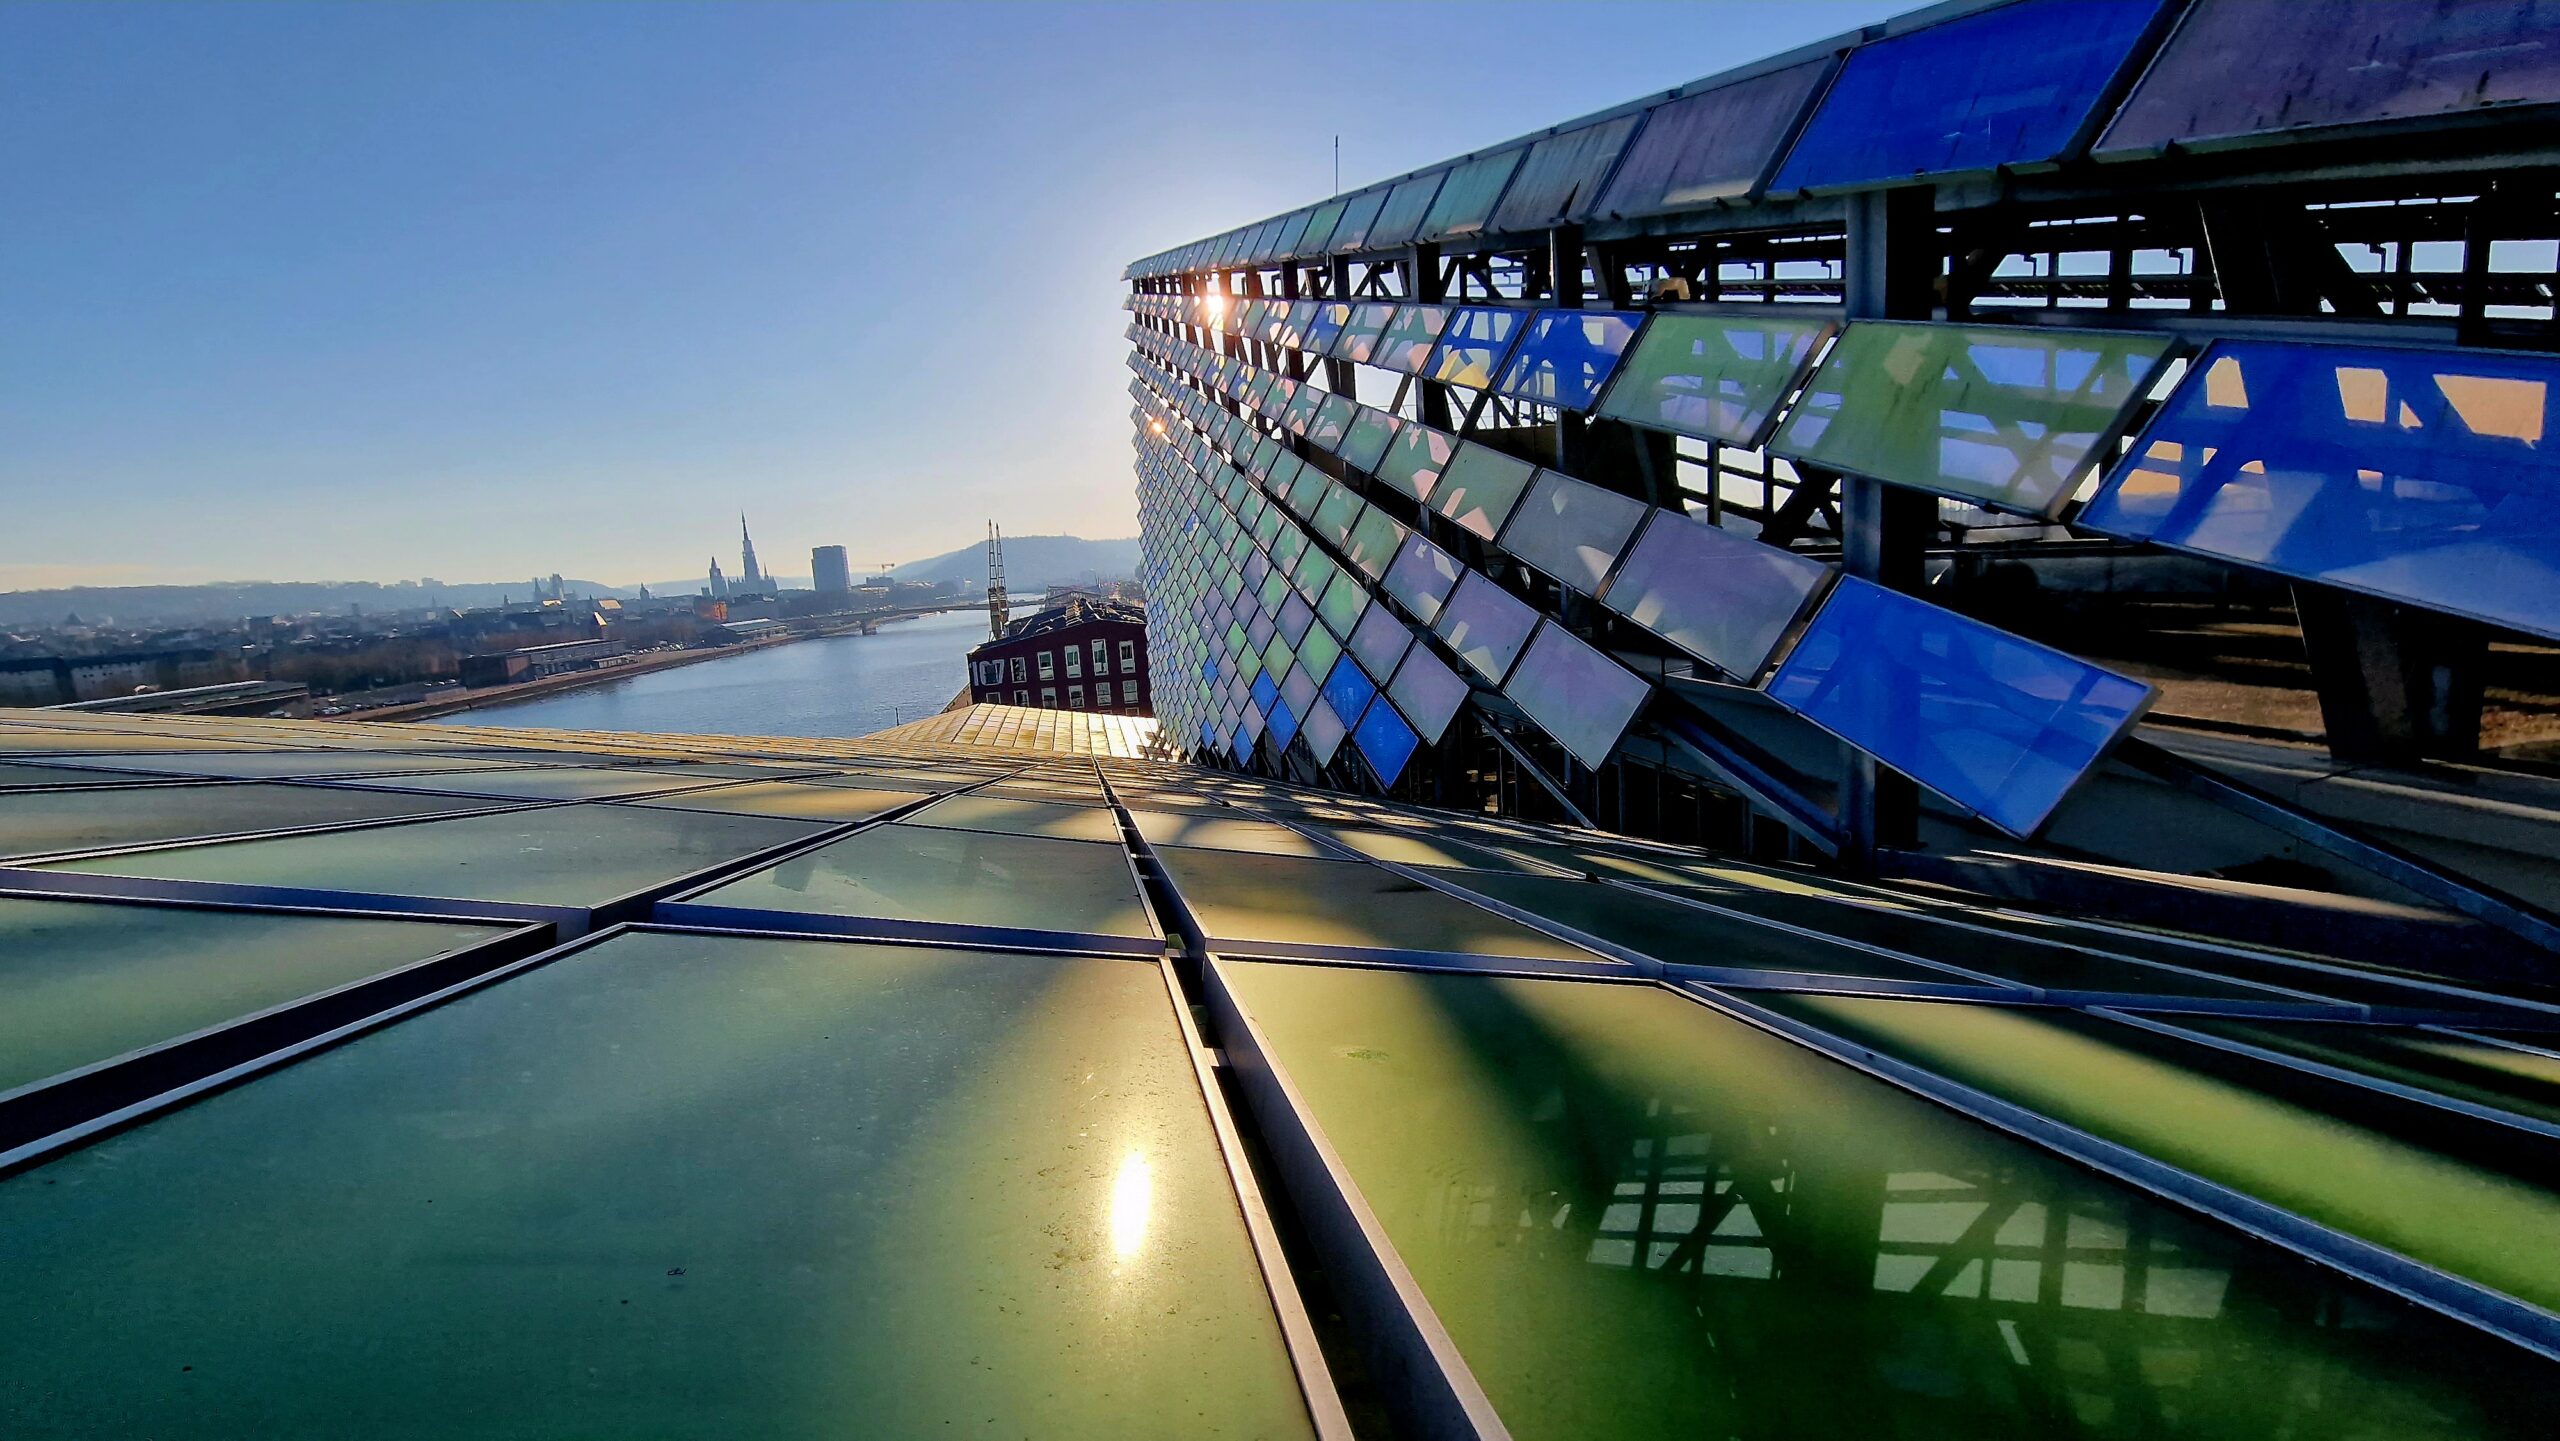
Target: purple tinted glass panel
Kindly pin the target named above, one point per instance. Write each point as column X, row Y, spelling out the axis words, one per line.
column 1422, row 577
column 1323, row 731
column 1723, row 598
column 2014, row 85
column 1428, row 692
column 1572, row 531
column 2424, row 476
column 1576, row 694
column 2002, row 726
column 2237, row 69
column 1379, row 641
column 1486, row 625
column 1716, row 145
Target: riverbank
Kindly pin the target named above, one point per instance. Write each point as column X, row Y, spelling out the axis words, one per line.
column 449, row 702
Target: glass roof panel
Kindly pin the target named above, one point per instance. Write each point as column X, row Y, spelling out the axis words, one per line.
column 1241, row 899
column 952, row 877
column 1403, row 211
column 831, row 1102
column 2419, row 1183
column 1020, row 817
column 547, row 783
column 1725, row 599
column 1716, row 145
column 1560, row 180
column 1713, row 376
column 50, row 822
column 1467, row 197
column 795, row 801
column 1996, row 723
column 1359, row 214
column 1954, row 97
column 550, row 855
column 82, row 982
column 2236, row 70
column 2424, row 476
column 1672, row 1188
column 1998, row 416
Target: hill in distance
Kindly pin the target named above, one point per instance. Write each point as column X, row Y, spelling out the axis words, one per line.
column 1033, row 561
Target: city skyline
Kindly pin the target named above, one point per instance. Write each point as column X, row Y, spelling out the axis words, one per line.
column 313, row 293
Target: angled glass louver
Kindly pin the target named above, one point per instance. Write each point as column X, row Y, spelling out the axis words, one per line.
column 1572, row 531
column 1421, row 577
column 1365, row 441
column 1960, row 96
column 1720, row 597
column 1409, row 339
column 1473, row 345
column 1403, row 211
column 1998, row 724
column 1559, row 181
column 1427, row 692
column 1566, row 356
column 1485, row 625
column 1467, row 197
column 1360, row 333
column 1479, row 488
column 1715, row 377
column 2005, row 418
column 1575, row 694
column 2424, row 476
column 1385, row 740
column 1415, row 459
column 1359, row 213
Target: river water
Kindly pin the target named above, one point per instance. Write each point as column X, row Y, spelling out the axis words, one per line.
column 843, row 686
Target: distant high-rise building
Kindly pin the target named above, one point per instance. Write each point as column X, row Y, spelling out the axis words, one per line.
column 830, row 571
column 751, row 579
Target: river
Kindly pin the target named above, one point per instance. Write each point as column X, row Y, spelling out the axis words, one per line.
column 842, row 686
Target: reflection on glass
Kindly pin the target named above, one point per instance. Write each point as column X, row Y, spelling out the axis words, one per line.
column 1473, row 345
column 1374, row 540
column 1385, row 739
column 1572, row 531
column 1366, row 440
column 2001, row 417
column 1725, row 599
column 1714, row 145
column 1954, row 97
column 1323, row 731
column 1576, row 694
column 2424, row 476
column 1567, row 355
column 1132, row 1197
column 1624, row 1205
column 1479, row 488
column 1467, row 197
column 1427, row 692
column 1712, row 376
column 1998, row 724
column 1360, row 334
column 1485, row 625
column 1409, row 339
column 1415, row 459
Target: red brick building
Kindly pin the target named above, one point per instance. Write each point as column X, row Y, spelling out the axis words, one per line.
column 1088, row 655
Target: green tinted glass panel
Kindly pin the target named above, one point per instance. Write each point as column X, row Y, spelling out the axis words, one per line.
column 1373, row 543
column 48, row 822
column 1371, row 432
column 915, row 873
column 1221, row 830
column 1318, row 651
column 1624, row 1205
column 1342, row 603
column 2332, row 1153
column 1414, row 460
column 1241, row 899
column 2524, row 1082
column 981, row 812
column 1467, row 197
column 556, row 855
column 1335, row 513
column 550, row 783
column 1713, row 376
column 1996, row 415
column 1480, row 487
column 795, row 801
column 81, row 982
column 427, row 1248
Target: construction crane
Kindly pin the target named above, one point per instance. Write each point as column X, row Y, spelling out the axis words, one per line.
column 998, row 612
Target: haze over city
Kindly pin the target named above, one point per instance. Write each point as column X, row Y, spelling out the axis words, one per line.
column 304, row 292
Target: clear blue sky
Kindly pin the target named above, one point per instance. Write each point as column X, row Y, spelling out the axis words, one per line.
column 477, row 291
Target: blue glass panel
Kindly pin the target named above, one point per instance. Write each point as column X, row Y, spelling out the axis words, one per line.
column 1473, row 345
column 1385, row 741
column 1721, row 597
column 1574, row 693
column 2009, row 86
column 1349, row 688
column 1282, row 727
column 1266, row 692
column 2425, row 476
column 1567, row 355
column 2000, row 725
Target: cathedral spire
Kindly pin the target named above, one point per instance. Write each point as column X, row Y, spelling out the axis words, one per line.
column 750, row 578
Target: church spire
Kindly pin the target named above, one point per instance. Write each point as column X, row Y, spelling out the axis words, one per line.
column 751, row 578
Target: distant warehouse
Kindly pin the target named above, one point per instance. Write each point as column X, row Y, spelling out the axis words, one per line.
column 533, row 662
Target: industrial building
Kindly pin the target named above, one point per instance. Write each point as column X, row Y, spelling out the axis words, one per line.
column 1085, row 655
